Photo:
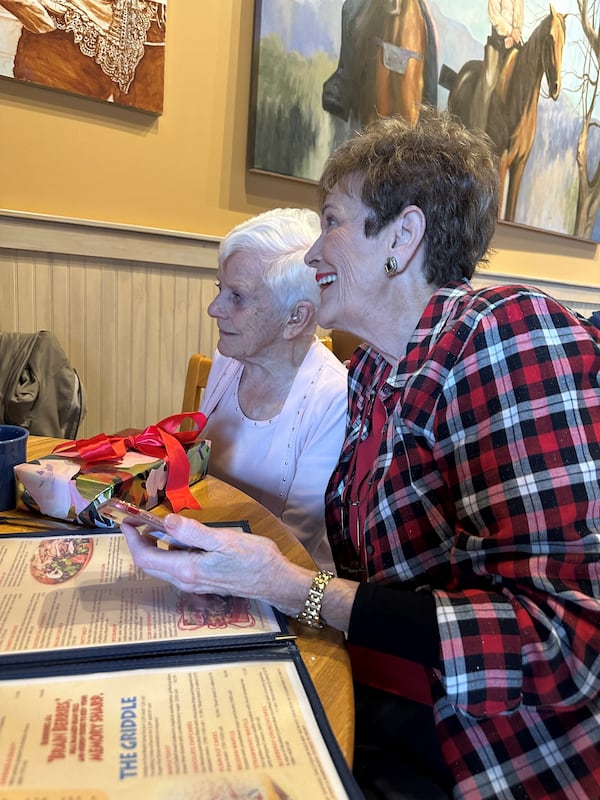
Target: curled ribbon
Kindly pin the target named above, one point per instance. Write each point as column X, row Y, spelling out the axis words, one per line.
column 163, row 440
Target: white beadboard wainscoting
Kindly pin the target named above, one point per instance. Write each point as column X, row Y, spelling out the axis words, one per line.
column 129, row 307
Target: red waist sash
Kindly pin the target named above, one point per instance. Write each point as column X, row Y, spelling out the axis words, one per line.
column 391, row 674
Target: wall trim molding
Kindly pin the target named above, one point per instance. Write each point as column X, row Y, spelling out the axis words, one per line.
column 41, row 233
column 75, row 237
column 565, row 292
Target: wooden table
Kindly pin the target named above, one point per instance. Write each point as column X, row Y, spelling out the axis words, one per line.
column 323, row 652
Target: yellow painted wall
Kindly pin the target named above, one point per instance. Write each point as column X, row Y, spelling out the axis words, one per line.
column 186, row 170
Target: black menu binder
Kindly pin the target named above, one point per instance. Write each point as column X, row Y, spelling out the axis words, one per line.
column 115, row 685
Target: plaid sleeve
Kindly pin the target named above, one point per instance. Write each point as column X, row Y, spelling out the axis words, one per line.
column 517, row 434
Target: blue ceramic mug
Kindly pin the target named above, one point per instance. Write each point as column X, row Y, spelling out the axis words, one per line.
column 13, row 451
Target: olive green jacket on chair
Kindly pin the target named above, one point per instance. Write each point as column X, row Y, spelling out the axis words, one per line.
column 39, row 389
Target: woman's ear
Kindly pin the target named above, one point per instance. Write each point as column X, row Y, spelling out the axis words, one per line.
column 300, row 316
column 408, row 230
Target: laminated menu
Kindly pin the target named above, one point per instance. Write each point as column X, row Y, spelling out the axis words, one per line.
column 240, row 727
column 114, row 684
column 75, row 597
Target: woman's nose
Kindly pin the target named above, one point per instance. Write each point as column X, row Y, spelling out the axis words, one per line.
column 214, row 308
column 313, row 254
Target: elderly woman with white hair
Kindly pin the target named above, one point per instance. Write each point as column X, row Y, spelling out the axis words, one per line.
column 276, row 397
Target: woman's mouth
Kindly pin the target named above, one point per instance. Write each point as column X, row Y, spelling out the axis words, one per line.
column 325, row 278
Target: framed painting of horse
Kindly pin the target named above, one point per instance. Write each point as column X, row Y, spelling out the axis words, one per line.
column 525, row 71
column 109, row 50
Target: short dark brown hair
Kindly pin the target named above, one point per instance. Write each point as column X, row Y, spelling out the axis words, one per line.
column 447, row 170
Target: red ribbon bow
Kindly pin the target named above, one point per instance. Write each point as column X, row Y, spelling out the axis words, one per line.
column 163, row 440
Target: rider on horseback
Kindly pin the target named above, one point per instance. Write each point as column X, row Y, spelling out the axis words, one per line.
column 506, row 17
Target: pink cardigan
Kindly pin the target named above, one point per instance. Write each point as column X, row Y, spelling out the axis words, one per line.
column 306, row 442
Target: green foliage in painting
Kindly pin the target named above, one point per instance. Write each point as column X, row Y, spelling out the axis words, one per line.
column 288, row 108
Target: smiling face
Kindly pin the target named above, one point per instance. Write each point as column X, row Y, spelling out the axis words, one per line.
column 349, row 266
column 247, row 315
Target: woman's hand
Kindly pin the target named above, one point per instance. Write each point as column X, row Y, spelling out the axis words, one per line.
column 222, row 561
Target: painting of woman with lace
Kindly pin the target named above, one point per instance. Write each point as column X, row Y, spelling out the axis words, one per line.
column 112, row 50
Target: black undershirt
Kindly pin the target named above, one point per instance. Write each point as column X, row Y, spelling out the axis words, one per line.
column 396, row 621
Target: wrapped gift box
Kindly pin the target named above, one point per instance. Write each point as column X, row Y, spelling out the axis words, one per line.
column 68, row 489
column 66, row 486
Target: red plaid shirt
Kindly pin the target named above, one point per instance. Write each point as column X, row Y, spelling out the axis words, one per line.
column 486, row 491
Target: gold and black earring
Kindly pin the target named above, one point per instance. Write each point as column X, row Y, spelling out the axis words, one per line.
column 391, row 266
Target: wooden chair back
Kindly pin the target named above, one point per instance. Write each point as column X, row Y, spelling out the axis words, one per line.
column 197, row 374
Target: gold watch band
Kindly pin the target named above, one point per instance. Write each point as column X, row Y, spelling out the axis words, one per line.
column 311, row 613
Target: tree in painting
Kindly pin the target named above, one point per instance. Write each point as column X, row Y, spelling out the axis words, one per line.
column 588, row 166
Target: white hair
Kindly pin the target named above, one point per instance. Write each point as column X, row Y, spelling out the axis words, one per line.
column 279, row 240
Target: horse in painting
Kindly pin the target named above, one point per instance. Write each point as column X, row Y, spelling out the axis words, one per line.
column 392, row 68
column 512, row 116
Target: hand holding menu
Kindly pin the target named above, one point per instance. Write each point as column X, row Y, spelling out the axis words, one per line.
column 115, row 685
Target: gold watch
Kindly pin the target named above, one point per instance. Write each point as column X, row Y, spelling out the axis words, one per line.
column 311, row 613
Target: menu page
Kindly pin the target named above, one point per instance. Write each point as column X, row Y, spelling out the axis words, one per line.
column 65, row 592
column 243, row 730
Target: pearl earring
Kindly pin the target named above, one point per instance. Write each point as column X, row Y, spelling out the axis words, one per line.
column 391, row 266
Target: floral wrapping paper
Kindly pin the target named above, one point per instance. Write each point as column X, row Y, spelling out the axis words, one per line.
column 67, row 488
